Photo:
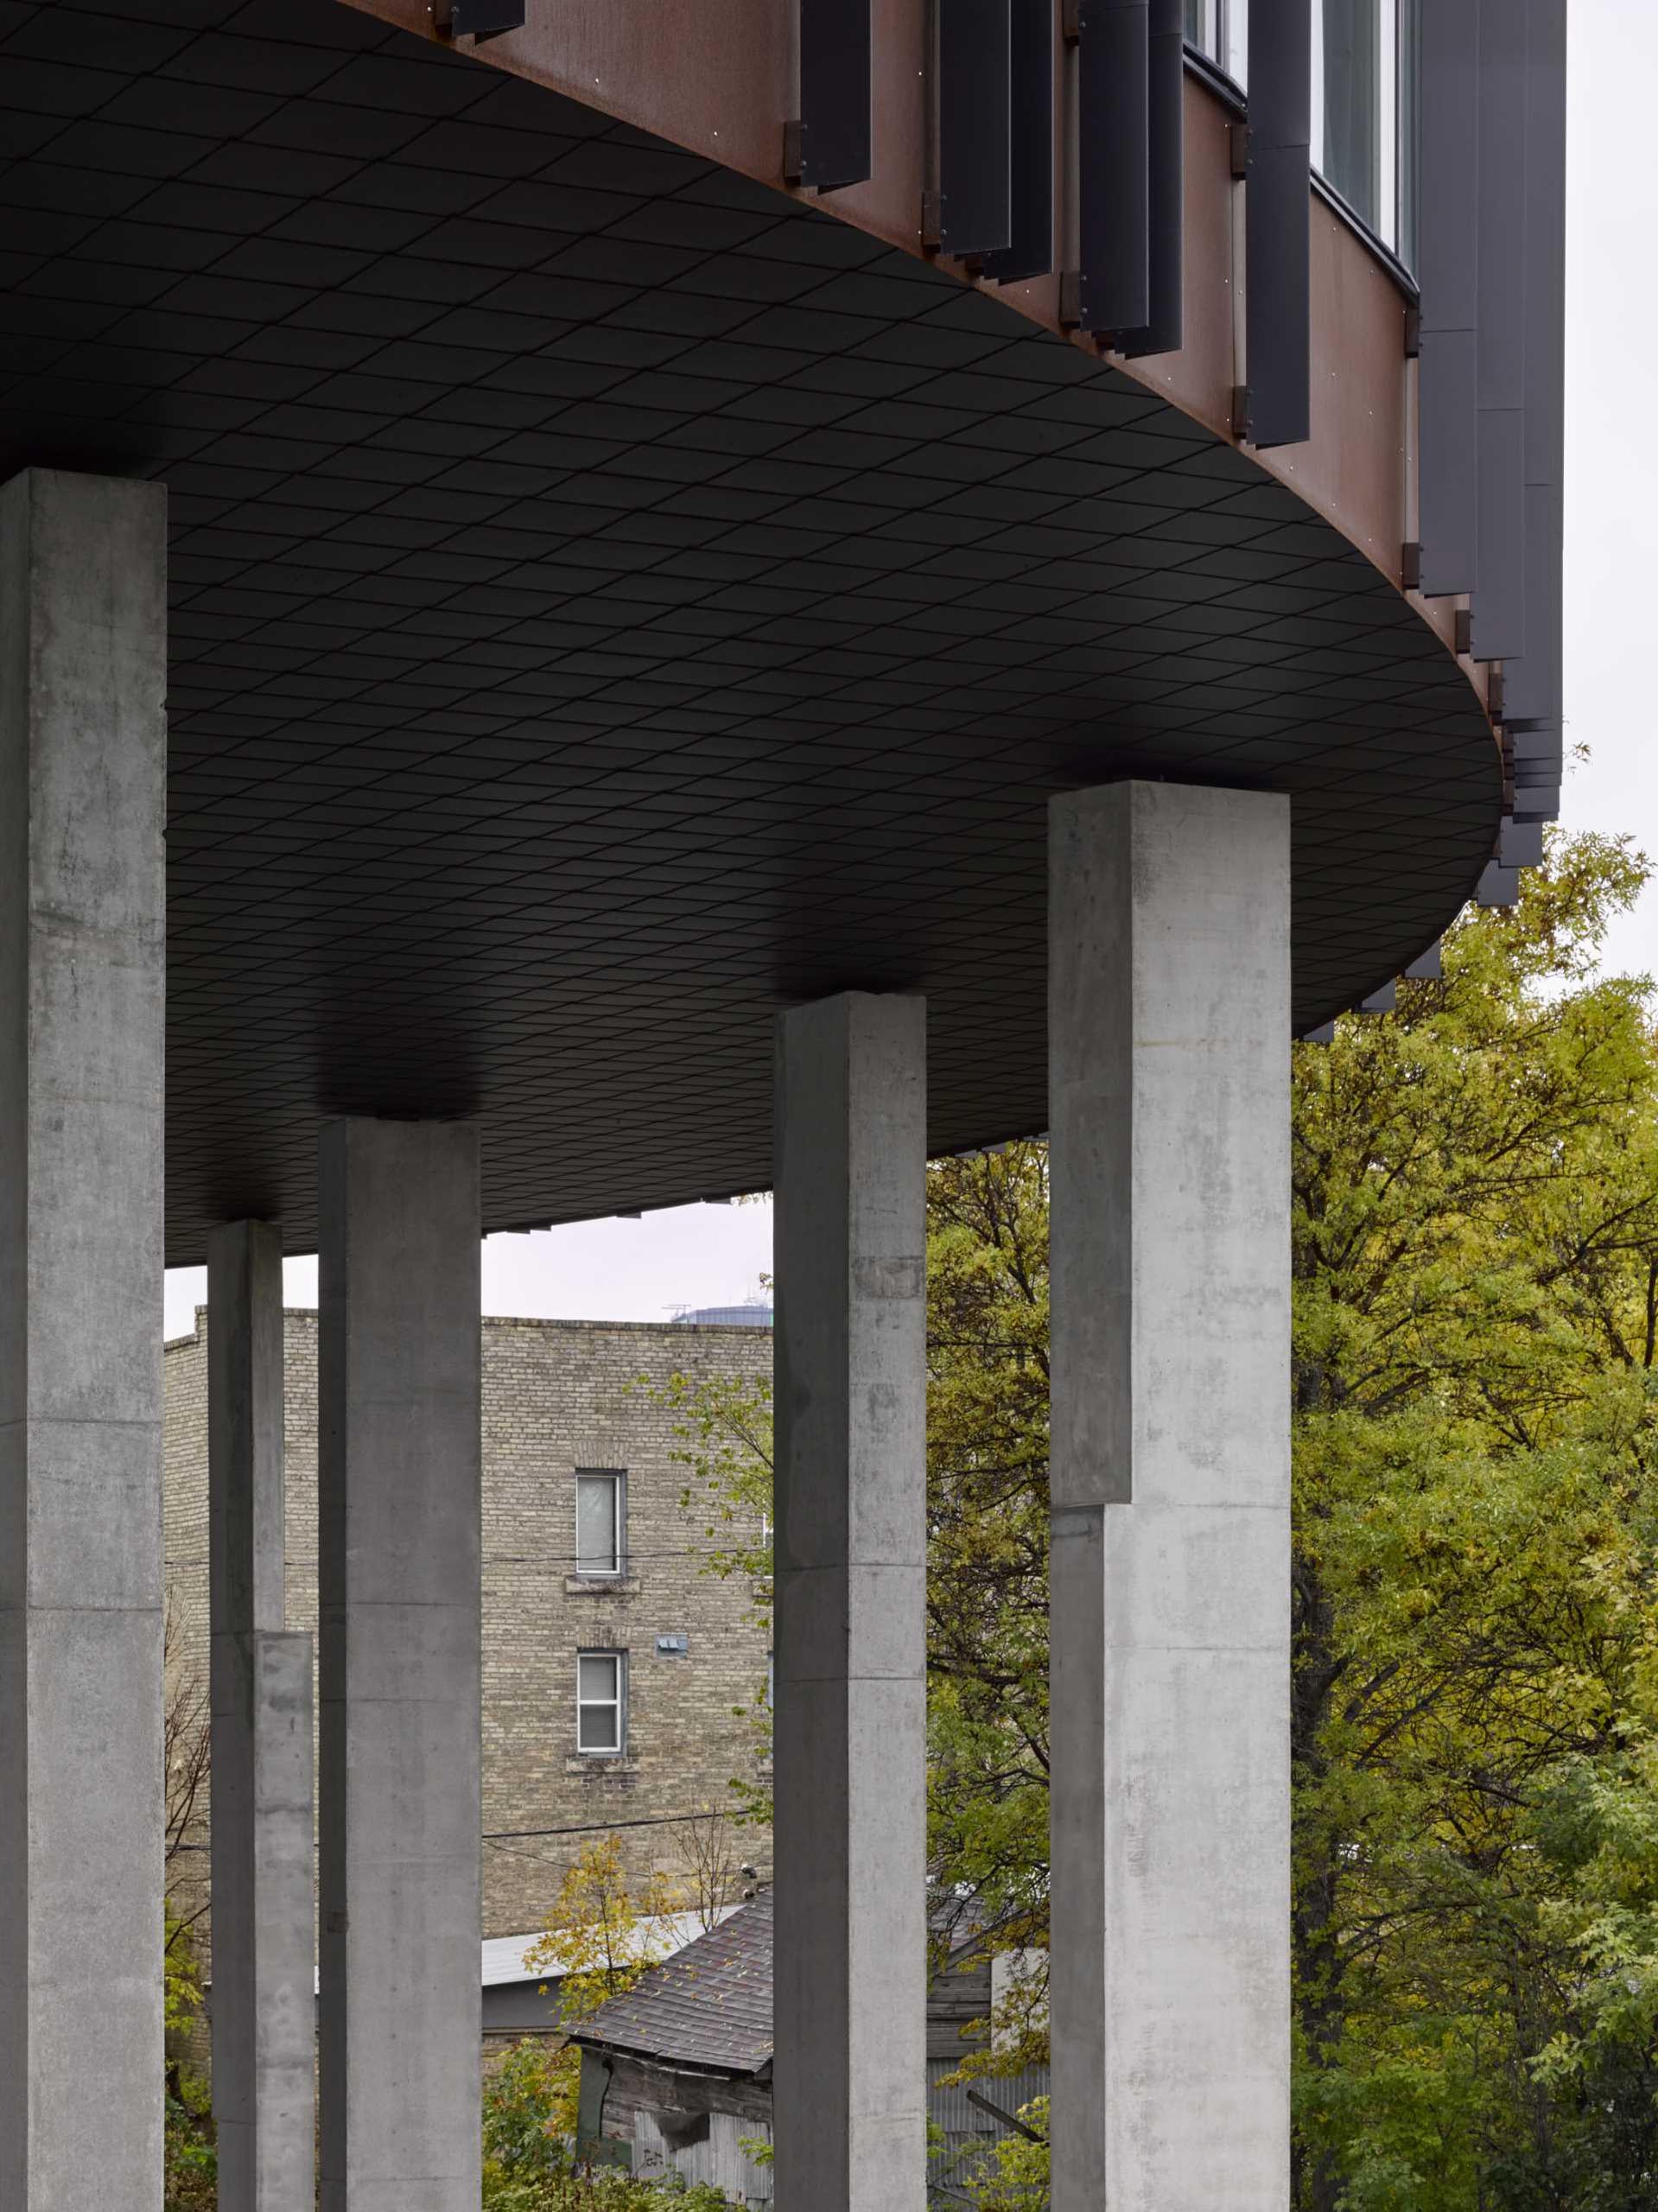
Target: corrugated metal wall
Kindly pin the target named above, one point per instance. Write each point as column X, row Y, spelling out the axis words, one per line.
column 968, row 2132
column 721, row 2161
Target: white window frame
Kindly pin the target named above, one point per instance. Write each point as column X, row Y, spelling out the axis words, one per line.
column 617, row 1478
column 618, row 1705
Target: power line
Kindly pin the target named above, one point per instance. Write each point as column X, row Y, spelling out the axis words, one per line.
column 584, row 1828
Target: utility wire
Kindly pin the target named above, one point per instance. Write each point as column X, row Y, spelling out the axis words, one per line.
column 584, row 1828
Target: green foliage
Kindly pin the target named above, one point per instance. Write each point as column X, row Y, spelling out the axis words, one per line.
column 598, row 1940
column 1476, row 1255
column 988, row 1562
column 722, row 1432
column 191, row 2164
column 522, row 2142
column 191, row 2169
column 604, row 2188
column 1475, row 1931
column 529, row 2166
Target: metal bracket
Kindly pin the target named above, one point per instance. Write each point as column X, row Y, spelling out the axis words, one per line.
column 479, row 19
column 1071, row 299
column 1465, row 637
column 794, row 156
column 1237, row 139
column 932, row 221
column 1412, row 333
column 1071, row 22
column 1243, row 412
column 1410, row 565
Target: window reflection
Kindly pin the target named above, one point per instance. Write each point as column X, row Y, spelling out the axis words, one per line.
column 1219, row 29
column 1364, row 99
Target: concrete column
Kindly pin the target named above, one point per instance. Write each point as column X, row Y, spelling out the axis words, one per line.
column 849, row 1763
column 264, row 1917
column 1169, row 1067
column 399, row 1572
column 83, row 762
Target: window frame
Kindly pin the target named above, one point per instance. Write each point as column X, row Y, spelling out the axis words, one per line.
column 1216, row 39
column 617, row 1570
column 617, row 1704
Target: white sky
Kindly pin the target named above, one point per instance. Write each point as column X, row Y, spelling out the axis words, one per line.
column 708, row 1256
column 1611, row 507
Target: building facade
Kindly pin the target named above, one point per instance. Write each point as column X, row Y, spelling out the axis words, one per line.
column 605, row 1614
column 606, row 607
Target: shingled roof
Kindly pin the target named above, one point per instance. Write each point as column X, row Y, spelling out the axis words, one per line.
column 708, row 2007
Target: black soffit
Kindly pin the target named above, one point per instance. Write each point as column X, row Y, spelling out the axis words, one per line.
column 611, row 601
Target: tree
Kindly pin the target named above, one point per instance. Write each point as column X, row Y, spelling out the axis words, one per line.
column 1475, row 1260
column 603, row 1932
column 988, row 1565
column 1474, row 1419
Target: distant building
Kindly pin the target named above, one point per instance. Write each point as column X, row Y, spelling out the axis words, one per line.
column 620, row 1674
column 752, row 1314
column 676, row 2072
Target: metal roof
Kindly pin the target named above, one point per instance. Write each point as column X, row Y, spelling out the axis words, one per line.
column 505, row 1958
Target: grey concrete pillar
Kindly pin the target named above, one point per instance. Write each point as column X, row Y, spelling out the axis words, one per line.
column 1169, row 1070
column 83, row 760
column 263, row 1916
column 400, row 1614
column 850, row 1732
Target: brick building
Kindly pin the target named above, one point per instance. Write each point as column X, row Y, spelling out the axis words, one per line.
column 621, row 1677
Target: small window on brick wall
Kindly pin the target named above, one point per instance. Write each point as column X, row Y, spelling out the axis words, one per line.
column 601, row 1522
column 601, row 1701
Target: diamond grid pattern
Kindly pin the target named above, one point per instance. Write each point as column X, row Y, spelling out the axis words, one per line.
column 611, row 601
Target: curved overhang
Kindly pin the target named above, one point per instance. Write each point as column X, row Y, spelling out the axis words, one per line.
column 612, row 598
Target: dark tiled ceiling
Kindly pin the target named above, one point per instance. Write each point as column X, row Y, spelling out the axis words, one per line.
column 611, row 601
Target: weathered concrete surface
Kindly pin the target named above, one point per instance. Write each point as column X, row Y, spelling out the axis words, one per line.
column 264, row 1909
column 850, row 1749
column 1169, row 1067
column 401, row 1635
column 83, row 634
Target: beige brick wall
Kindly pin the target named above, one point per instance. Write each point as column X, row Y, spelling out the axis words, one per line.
column 557, row 1395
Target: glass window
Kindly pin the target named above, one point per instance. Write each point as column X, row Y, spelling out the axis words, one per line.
column 1365, row 111
column 600, row 1529
column 601, row 1685
column 1365, row 99
column 1218, row 29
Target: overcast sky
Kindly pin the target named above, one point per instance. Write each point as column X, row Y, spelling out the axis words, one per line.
column 1611, row 507
column 708, row 1256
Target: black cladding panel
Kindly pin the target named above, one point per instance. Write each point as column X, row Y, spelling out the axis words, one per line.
column 485, row 19
column 1114, row 79
column 1165, row 184
column 1448, row 268
column 835, row 112
column 1030, row 251
column 1533, row 685
column 975, row 176
column 1279, row 217
column 1498, row 605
